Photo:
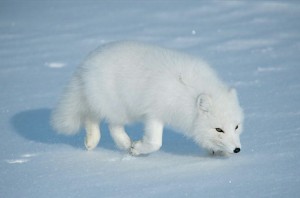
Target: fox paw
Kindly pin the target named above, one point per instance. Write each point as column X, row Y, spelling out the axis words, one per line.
column 91, row 142
column 141, row 147
column 132, row 150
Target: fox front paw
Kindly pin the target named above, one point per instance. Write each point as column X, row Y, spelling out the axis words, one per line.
column 141, row 147
column 132, row 150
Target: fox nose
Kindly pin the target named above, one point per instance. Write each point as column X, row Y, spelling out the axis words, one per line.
column 236, row 150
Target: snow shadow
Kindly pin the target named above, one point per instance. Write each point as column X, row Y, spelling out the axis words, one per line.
column 176, row 143
column 173, row 142
column 34, row 125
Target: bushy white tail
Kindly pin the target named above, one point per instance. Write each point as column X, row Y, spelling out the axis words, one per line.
column 67, row 117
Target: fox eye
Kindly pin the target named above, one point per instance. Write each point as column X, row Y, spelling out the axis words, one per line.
column 219, row 130
column 237, row 126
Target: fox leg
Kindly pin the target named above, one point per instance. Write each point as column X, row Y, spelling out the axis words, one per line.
column 120, row 137
column 151, row 141
column 93, row 134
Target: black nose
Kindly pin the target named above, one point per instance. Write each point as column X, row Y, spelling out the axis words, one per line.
column 236, row 150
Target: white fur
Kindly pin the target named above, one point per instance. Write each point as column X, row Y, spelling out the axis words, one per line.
column 125, row 82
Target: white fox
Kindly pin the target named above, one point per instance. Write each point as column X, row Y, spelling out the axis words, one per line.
column 125, row 82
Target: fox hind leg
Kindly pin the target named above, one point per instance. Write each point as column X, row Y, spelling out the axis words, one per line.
column 120, row 137
column 93, row 134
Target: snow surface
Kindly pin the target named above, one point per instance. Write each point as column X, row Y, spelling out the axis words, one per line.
column 253, row 45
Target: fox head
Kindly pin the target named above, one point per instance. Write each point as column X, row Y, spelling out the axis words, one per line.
column 219, row 122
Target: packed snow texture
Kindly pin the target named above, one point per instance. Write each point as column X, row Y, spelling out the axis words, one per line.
column 253, row 45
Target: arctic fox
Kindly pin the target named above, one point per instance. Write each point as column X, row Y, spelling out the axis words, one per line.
column 126, row 82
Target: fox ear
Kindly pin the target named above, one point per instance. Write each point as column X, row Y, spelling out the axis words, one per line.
column 204, row 102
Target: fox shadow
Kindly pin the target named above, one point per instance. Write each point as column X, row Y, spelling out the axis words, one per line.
column 34, row 125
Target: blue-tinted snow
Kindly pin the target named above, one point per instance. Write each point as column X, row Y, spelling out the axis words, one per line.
column 253, row 45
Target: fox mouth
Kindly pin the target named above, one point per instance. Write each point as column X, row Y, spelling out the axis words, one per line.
column 221, row 153
column 225, row 152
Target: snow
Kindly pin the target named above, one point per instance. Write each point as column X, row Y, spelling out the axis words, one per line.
column 253, row 45
column 55, row 65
